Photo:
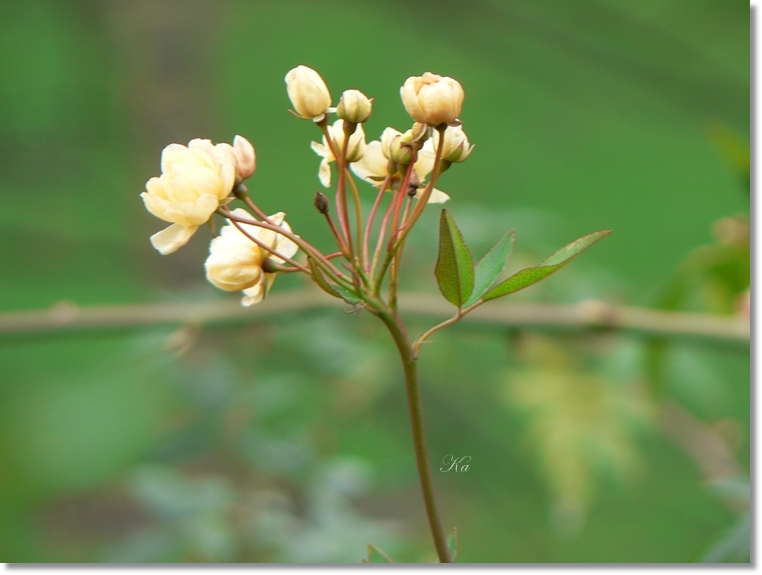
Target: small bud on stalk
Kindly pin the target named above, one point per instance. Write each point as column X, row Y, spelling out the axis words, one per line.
column 413, row 184
column 321, row 202
column 354, row 107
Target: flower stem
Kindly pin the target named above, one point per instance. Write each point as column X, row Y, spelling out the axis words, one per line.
column 309, row 249
column 369, row 226
column 424, row 198
column 409, row 364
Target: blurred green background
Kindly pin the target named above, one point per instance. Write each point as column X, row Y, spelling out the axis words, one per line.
column 288, row 440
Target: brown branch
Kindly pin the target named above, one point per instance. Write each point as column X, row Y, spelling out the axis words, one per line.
column 583, row 316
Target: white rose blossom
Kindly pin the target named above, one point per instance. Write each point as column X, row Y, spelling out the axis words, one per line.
column 193, row 181
column 374, row 168
column 235, row 263
column 355, row 149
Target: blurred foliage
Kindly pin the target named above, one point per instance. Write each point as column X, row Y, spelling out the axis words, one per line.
column 289, row 441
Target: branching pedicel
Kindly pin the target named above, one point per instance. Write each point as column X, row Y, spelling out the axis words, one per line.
column 201, row 179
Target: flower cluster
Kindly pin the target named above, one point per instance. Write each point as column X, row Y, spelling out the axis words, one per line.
column 199, row 180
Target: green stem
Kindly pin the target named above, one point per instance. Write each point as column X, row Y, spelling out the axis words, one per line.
column 409, row 364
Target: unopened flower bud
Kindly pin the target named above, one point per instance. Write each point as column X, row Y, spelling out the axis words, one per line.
column 419, row 132
column 308, row 92
column 387, row 136
column 321, row 202
column 432, row 99
column 245, row 158
column 354, row 107
column 456, row 147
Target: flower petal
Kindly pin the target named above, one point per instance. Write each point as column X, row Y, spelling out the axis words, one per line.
column 321, row 149
column 436, row 197
column 324, row 173
column 254, row 294
column 373, row 165
column 172, row 238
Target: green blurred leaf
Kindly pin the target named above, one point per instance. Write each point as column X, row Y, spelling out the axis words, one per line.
column 491, row 266
column 455, row 266
column 555, row 262
column 452, row 540
column 376, row 555
column 331, row 289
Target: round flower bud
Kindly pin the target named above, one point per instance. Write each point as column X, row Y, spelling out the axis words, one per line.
column 432, row 99
column 354, row 106
column 308, row 92
column 456, row 147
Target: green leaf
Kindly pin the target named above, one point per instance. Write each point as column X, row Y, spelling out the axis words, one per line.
column 376, row 555
column 452, row 538
column 455, row 266
column 331, row 289
column 555, row 262
column 491, row 266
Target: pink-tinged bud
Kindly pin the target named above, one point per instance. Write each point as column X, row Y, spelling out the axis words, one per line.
column 432, row 99
column 354, row 107
column 245, row 158
column 308, row 92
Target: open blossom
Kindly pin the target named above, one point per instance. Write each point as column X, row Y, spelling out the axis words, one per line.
column 432, row 99
column 456, row 147
column 235, row 263
column 355, row 149
column 193, row 181
column 374, row 168
column 308, row 92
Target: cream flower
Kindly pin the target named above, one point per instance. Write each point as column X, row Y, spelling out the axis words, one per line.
column 456, row 147
column 374, row 168
column 193, row 181
column 308, row 92
column 235, row 263
column 355, row 149
column 432, row 99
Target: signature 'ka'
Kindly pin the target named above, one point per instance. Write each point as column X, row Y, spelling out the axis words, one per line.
column 202, row 179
